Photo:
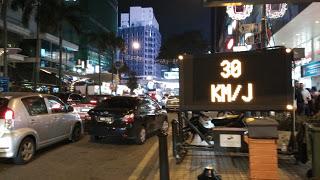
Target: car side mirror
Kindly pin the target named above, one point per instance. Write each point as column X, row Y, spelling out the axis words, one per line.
column 70, row 109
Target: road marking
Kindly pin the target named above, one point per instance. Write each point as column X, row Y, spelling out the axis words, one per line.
column 139, row 169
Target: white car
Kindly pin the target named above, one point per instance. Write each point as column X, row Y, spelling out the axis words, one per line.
column 173, row 103
column 30, row 121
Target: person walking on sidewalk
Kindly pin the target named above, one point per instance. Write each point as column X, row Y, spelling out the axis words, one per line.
column 306, row 98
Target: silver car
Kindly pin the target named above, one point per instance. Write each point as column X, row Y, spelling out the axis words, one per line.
column 30, row 121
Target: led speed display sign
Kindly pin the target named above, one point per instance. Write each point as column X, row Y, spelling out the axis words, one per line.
column 253, row 80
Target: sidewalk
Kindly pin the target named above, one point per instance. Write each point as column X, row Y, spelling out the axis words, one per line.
column 229, row 167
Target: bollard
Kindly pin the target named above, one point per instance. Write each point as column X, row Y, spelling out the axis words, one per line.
column 163, row 155
column 174, row 137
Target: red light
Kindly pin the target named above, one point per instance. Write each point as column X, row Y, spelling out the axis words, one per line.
column 128, row 118
column 9, row 114
column 93, row 102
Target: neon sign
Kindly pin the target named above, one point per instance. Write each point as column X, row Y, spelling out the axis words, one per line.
column 224, row 92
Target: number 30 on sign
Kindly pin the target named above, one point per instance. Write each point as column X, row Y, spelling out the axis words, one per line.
column 229, row 92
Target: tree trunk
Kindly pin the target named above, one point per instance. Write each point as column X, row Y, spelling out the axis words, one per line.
column 112, row 61
column 5, row 38
column 99, row 58
column 60, row 59
column 37, row 60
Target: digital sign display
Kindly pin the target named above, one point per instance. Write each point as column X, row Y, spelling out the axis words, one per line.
column 252, row 80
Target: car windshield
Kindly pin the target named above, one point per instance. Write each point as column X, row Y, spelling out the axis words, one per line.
column 118, row 103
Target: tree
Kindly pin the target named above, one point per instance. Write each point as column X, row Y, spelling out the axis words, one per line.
column 60, row 13
column 132, row 81
column 4, row 6
column 50, row 17
column 107, row 42
column 113, row 45
column 29, row 7
column 191, row 43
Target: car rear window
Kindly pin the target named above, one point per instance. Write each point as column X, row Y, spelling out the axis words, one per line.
column 118, row 103
column 3, row 106
column 3, row 102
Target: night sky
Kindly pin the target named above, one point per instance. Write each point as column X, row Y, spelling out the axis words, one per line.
column 175, row 16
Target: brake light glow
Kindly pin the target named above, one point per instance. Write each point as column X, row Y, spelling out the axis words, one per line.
column 93, row 102
column 128, row 118
column 9, row 114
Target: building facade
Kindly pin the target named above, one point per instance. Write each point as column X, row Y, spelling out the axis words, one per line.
column 140, row 30
column 79, row 57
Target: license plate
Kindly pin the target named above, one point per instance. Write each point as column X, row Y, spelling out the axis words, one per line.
column 106, row 119
column 85, row 110
column 230, row 140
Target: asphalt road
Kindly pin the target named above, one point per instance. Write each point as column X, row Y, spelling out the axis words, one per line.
column 108, row 159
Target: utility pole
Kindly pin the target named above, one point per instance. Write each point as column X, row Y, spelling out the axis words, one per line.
column 5, row 37
column 264, row 38
column 38, row 46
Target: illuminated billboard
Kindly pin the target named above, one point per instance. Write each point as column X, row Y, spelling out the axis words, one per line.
column 251, row 80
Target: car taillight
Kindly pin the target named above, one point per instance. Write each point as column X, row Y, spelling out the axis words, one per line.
column 128, row 118
column 8, row 117
column 93, row 102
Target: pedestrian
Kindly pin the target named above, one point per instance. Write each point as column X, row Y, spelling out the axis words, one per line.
column 314, row 95
column 306, row 96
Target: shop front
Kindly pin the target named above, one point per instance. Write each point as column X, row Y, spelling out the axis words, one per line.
column 303, row 31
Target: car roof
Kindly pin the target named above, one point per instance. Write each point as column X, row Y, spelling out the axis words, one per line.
column 21, row 94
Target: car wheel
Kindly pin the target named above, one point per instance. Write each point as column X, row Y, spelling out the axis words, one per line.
column 141, row 135
column 76, row 133
column 94, row 138
column 26, row 151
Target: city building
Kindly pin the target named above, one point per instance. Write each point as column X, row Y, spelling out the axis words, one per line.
column 140, row 30
column 99, row 16
column 80, row 56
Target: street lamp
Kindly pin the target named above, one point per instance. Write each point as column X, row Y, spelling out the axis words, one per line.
column 180, row 57
column 136, row 45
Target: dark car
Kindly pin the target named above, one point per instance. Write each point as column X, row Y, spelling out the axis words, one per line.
column 127, row 117
column 95, row 99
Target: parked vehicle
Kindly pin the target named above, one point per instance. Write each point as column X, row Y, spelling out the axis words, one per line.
column 95, row 99
column 80, row 104
column 127, row 117
column 172, row 103
column 30, row 121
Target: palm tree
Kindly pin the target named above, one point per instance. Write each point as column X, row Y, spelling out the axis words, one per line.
column 115, row 43
column 29, row 7
column 4, row 7
column 59, row 13
column 50, row 16
column 107, row 42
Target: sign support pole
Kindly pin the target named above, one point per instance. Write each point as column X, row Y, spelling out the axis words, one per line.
column 264, row 38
